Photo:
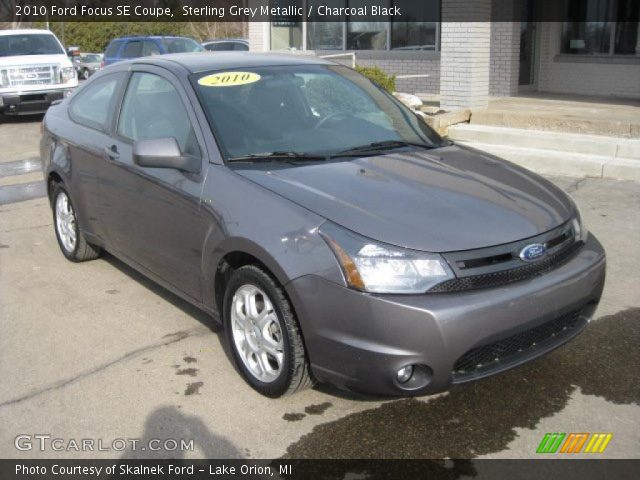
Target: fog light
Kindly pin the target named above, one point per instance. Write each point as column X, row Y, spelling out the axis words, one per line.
column 405, row 373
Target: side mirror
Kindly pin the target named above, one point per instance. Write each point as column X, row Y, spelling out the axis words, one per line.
column 164, row 153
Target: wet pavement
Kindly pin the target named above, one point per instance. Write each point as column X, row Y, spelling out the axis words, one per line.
column 21, row 192
column 20, row 167
column 480, row 418
column 95, row 350
column 19, row 157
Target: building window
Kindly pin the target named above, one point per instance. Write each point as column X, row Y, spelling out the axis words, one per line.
column 602, row 27
column 412, row 35
column 287, row 32
column 350, row 34
column 367, row 35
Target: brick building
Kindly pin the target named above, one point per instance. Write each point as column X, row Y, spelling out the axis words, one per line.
column 594, row 50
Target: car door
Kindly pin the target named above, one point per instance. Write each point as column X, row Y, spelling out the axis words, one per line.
column 153, row 215
column 91, row 111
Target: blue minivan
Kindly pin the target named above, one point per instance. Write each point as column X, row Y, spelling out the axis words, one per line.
column 142, row 46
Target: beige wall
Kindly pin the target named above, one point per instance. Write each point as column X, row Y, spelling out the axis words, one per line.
column 479, row 59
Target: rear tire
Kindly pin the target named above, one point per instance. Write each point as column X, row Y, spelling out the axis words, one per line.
column 263, row 334
column 71, row 241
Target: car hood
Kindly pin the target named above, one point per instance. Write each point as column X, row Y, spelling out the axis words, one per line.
column 26, row 60
column 441, row 200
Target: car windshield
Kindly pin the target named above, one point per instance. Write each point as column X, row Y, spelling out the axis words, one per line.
column 309, row 109
column 181, row 45
column 29, row 44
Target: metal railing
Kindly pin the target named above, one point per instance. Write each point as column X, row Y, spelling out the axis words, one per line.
column 343, row 55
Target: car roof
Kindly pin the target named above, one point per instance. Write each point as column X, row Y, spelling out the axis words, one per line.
column 202, row 62
column 142, row 37
column 224, row 40
column 26, row 31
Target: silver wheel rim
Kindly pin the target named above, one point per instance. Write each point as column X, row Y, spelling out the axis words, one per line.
column 256, row 333
column 65, row 222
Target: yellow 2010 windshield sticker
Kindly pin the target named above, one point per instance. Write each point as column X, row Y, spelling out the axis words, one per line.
column 229, row 79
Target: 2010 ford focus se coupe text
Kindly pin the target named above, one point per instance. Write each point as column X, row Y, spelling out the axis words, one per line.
column 335, row 236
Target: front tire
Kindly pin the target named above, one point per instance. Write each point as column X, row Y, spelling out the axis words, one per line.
column 85, row 74
column 70, row 239
column 263, row 334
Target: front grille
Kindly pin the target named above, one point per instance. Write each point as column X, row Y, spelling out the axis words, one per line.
column 29, row 76
column 486, row 358
column 504, row 277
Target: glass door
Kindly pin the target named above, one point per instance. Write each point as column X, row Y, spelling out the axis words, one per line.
column 528, row 52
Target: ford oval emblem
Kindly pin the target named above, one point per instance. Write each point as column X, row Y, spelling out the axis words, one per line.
column 533, row 252
column 31, row 76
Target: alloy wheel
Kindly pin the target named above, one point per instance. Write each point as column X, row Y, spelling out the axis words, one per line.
column 65, row 222
column 257, row 333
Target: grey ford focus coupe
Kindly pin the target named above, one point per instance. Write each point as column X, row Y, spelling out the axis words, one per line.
column 335, row 236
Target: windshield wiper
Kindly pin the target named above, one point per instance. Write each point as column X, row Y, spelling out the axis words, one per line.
column 268, row 156
column 381, row 146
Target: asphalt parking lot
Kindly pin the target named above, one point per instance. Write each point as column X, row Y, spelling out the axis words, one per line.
column 96, row 351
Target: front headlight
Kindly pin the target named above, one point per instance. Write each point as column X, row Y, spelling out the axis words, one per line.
column 68, row 74
column 375, row 267
column 580, row 231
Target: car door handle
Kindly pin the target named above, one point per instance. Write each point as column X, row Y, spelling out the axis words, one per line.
column 112, row 152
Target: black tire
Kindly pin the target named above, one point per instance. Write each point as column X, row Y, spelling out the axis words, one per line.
column 85, row 74
column 295, row 374
column 82, row 250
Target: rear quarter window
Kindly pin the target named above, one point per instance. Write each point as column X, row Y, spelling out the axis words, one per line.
column 132, row 49
column 92, row 106
column 112, row 49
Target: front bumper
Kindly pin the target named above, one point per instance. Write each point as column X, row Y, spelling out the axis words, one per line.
column 30, row 102
column 359, row 341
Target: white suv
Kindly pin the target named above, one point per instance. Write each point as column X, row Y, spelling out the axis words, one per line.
column 34, row 71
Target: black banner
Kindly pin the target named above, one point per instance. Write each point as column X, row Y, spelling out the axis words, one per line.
column 293, row 11
column 320, row 469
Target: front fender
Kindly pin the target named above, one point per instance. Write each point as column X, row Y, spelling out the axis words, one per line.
column 246, row 218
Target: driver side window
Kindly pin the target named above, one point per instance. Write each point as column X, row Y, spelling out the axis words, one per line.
column 153, row 108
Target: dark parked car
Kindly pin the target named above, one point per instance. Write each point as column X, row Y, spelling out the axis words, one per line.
column 334, row 234
column 126, row 48
column 227, row 44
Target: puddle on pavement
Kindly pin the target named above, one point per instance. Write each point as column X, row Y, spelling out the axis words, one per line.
column 317, row 409
column 293, row 417
column 192, row 372
column 193, row 388
column 480, row 418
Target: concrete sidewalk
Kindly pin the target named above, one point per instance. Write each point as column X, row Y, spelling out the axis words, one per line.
column 564, row 113
column 559, row 134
